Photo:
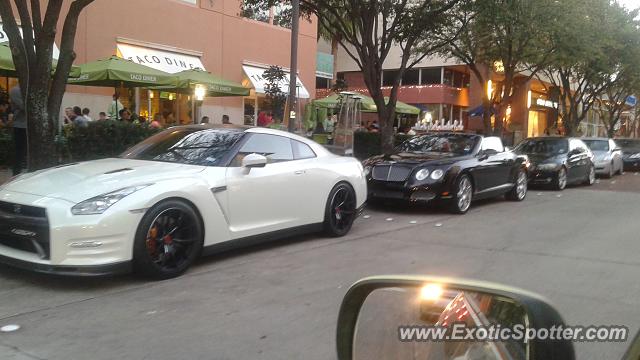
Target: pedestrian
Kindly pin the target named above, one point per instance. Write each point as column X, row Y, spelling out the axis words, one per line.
column 79, row 120
column 5, row 113
column 85, row 113
column 68, row 115
column 205, row 120
column 125, row 115
column 225, row 119
column 115, row 107
column 19, row 129
column 157, row 121
column 102, row 116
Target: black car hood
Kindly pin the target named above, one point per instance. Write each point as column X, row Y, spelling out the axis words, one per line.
column 415, row 159
column 544, row 158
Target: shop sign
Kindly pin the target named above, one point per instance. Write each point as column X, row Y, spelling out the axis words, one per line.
column 632, row 100
column 254, row 74
column 547, row 103
column 166, row 61
column 5, row 38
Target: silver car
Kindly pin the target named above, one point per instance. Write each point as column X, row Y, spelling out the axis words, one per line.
column 607, row 156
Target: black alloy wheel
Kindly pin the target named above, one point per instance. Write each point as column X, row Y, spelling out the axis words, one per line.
column 168, row 240
column 340, row 210
column 463, row 191
column 561, row 179
column 519, row 191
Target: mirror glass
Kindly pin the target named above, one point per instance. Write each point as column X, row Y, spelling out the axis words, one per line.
column 408, row 322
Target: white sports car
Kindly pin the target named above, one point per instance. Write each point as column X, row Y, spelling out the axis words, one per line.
column 185, row 191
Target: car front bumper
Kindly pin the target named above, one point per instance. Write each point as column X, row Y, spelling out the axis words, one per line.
column 603, row 167
column 542, row 177
column 77, row 244
column 401, row 192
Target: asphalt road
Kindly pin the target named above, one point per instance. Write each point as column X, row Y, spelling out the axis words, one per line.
column 578, row 248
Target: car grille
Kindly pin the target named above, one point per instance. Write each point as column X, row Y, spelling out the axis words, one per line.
column 391, row 173
column 25, row 228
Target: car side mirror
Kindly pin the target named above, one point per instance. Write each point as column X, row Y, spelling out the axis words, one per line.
column 425, row 318
column 254, row 161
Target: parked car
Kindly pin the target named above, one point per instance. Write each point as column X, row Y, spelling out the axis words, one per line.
column 558, row 161
column 630, row 153
column 453, row 167
column 607, row 156
column 185, row 191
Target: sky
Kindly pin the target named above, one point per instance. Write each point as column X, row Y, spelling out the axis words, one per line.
column 630, row 4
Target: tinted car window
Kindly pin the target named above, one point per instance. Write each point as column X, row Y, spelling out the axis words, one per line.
column 628, row 144
column 207, row 147
column 441, row 143
column 597, row 145
column 275, row 148
column 302, row 150
column 543, row 146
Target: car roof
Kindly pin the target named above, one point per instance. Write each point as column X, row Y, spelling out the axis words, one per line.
column 596, row 138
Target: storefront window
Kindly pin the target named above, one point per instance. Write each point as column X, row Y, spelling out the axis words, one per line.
column 388, row 77
column 411, row 77
column 431, row 76
column 256, row 12
column 448, row 77
column 323, row 83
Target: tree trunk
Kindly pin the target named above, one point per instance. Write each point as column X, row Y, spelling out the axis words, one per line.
column 486, row 115
column 41, row 132
column 386, row 130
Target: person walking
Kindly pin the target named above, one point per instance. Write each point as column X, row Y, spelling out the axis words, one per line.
column 114, row 108
column 19, row 129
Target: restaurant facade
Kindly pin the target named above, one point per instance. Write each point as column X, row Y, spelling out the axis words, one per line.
column 175, row 35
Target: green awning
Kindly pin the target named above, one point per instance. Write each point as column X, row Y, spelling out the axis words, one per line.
column 115, row 71
column 367, row 104
column 7, row 68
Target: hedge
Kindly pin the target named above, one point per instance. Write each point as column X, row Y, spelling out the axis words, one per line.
column 98, row 140
column 367, row 144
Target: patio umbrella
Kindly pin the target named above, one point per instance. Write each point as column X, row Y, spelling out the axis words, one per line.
column 215, row 85
column 367, row 104
column 7, row 68
column 115, row 71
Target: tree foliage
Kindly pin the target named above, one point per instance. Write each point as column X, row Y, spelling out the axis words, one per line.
column 276, row 98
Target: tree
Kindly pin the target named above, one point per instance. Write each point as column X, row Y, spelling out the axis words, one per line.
column 276, row 98
column 590, row 40
column 368, row 30
column 32, row 55
column 511, row 34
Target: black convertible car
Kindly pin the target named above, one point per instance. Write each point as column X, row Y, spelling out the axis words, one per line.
column 558, row 161
column 456, row 168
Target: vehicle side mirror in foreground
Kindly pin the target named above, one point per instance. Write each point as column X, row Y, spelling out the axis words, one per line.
column 254, row 161
column 439, row 318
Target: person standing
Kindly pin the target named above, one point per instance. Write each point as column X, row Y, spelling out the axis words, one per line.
column 19, row 129
column 115, row 108
column 225, row 119
column 68, row 115
column 102, row 116
column 85, row 113
column 79, row 120
column 205, row 120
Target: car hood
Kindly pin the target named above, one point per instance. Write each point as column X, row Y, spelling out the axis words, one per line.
column 543, row 158
column 600, row 155
column 411, row 158
column 81, row 181
column 630, row 151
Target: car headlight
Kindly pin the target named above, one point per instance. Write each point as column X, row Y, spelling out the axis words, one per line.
column 437, row 174
column 100, row 204
column 367, row 170
column 422, row 174
column 635, row 156
column 547, row 167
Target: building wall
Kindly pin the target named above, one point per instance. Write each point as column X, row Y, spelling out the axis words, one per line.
column 214, row 28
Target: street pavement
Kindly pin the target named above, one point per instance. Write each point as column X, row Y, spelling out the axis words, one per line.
column 578, row 248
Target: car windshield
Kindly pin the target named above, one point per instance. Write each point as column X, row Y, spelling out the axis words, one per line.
column 193, row 146
column 543, row 146
column 627, row 144
column 597, row 145
column 443, row 143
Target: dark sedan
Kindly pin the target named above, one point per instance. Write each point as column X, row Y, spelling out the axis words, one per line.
column 558, row 161
column 630, row 153
column 453, row 167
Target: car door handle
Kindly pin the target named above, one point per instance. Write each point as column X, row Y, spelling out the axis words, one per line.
column 299, row 172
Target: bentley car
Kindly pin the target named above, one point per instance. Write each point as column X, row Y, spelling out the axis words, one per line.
column 185, row 191
column 630, row 153
column 607, row 156
column 558, row 161
column 453, row 167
